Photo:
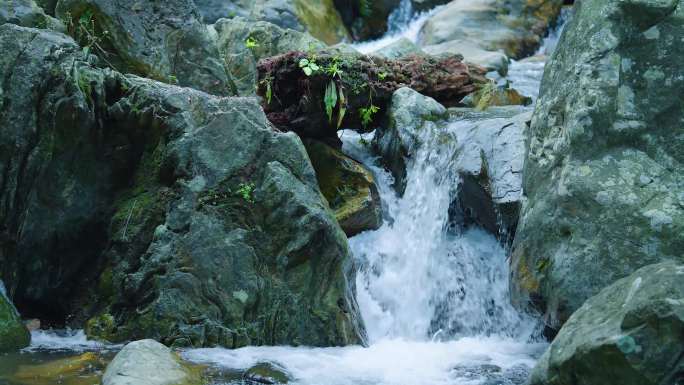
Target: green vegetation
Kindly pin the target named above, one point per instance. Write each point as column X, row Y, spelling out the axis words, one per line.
column 309, row 66
column 246, row 191
column 367, row 114
column 251, row 43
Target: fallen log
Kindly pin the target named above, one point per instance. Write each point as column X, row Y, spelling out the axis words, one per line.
column 315, row 94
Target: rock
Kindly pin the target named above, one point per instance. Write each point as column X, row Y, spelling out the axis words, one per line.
column 364, row 86
column 48, row 6
column 243, row 43
column 266, row 373
column 399, row 49
column 473, row 53
column 408, row 114
column 348, row 186
column 165, row 41
column 163, row 212
column 13, row 333
column 28, row 14
column 366, row 19
column 83, row 369
column 491, row 151
column 493, row 95
column 474, row 26
column 321, row 19
column 213, row 10
column 631, row 333
column 424, row 5
column 602, row 176
column 147, row 362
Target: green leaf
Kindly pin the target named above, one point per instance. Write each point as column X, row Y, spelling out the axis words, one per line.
column 307, row 71
column 343, row 107
column 303, row 63
column 330, row 99
column 314, row 66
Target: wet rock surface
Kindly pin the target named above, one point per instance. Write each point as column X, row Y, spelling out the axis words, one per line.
column 13, row 333
column 165, row 41
column 348, row 186
column 602, row 176
column 185, row 216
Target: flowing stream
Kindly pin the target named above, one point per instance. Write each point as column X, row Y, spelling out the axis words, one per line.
column 434, row 300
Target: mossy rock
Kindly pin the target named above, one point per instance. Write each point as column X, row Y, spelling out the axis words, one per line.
column 13, row 334
column 322, row 20
column 348, row 186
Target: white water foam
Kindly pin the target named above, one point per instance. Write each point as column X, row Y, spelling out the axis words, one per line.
column 389, row 362
column 65, row 341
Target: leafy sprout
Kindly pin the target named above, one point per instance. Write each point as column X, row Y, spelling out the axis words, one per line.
column 251, row 43
column 367, row 114
column 309, row 66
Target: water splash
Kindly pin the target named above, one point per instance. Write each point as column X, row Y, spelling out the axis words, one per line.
column 65, row 341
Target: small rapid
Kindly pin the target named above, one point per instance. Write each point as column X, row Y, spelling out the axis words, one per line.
column 434, row 299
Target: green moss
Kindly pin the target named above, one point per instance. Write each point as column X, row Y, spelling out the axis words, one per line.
column 13, row 333
column 101, row 327
column 322, row 20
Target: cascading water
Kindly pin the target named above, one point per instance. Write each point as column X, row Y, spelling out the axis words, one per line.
column 421, row 281
column 434, row 300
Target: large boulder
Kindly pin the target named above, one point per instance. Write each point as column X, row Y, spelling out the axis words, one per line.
column 27, row 13
column 147, row 362
column 602, row 178
column 165, row 41
column 13, row 333
column 242, row 43
column 159, row 211
column 348, row 186
column 486, row 31
column 631, row 333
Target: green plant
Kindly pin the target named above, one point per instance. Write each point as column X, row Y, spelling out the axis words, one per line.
column 334, row 68
column 268, row 83
column 246, row 191
column 251, row 43
column 309, row 66
column 367, row 114
column 382, row 76
column 330, row 99
column 173, row 79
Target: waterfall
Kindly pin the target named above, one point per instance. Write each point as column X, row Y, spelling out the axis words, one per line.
column 421, row 280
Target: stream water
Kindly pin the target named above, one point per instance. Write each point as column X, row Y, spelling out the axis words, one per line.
column 435, row 301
